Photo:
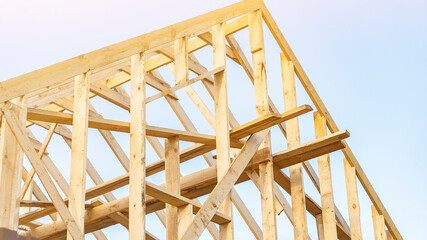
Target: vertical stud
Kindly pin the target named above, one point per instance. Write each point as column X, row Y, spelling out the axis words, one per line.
column 293, row 139
column 79, row 151
column 172, row 175
column 352, row 201
column 263, row 155
column 325, row 182
column 379, row 224
column 137, row 150
column 221, row 122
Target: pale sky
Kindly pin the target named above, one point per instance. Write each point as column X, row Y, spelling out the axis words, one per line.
column 367, row 60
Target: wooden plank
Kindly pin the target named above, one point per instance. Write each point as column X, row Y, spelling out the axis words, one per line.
column 379, row 224
column 256, row 37
column 266, row 121
column 120, row 126
column 172, row 175
column 226, row 231
column 79, row 151
column 44, row 204
column 309, row 150
column 53, row 193
column 352, row 201
column 325, row 182
column 10, row 170
column 293, row 140
column 219, row 193
column 137, row 150
column 320, row 106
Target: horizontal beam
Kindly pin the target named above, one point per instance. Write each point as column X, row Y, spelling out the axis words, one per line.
column 267, row 121
column 34, row 114
column 43, row 204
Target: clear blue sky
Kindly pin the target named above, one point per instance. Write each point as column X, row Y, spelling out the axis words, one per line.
column 367, row 60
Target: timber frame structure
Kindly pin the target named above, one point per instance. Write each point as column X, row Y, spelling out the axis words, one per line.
column 59, row 94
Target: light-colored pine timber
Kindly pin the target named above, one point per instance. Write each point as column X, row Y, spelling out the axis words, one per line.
column 379, row 224
column 172, row 175
column 320, row 228
column 293, row 140
column 325, row 182
column 226, row 231
column 256, row 37
column 11, row 158
column 352, row 201
column 79, row 151
column 137, row 150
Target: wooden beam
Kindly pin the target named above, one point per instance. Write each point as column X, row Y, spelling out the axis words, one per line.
column 320, row 228
column 379, row 224
column 11, row 158
column 113, row 125
column 309, row 150
column 219, row 193
column 137, row 182
column 79, row 151
column 226, row 231
column 325, row 182
column 293, row 139
column 266, row 121
column 352, row 201
column 315, row 98
column 172, row 175
column 256, row 37
column 53, row 193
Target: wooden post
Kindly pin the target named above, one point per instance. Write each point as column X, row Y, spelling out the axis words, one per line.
column 79, row 151
column 137, row 150
column 325, row 182
column 172, row 175
column 320, row 229
column 10, row 170
column 293, row 139
column 379, row 224
column 352, row 201
column 256, row 37
column 185, row 213
column 221, row 123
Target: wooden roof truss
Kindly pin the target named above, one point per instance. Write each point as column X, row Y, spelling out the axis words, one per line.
column 60, row 95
